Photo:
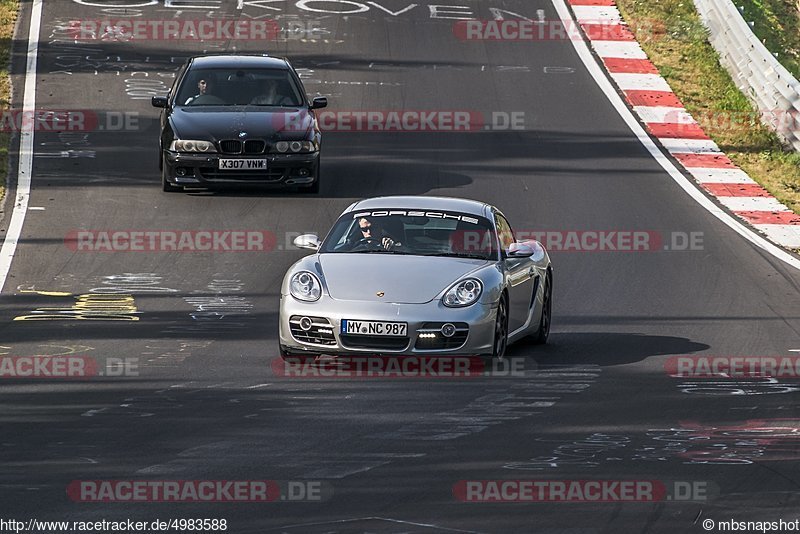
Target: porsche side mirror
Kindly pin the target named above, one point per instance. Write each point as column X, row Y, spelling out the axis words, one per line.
column 519, row 250
column 319, row 102
column 159, row 101
column 308, row 241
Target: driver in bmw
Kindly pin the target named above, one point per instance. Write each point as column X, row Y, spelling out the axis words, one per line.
column 203, row 87
column 373, row 230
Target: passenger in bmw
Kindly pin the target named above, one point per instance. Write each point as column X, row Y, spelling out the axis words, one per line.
column 271, row 96
column 372, row 233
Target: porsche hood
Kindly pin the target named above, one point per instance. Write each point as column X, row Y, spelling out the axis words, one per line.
column 400, row 279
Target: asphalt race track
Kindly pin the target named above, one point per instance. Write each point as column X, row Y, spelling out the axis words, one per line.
column 200, row 399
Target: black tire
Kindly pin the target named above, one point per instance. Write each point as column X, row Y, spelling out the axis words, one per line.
column 165, row 185
column 547, row 313
column 500, row 330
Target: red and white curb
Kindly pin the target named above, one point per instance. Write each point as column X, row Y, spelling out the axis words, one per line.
column 666, row 119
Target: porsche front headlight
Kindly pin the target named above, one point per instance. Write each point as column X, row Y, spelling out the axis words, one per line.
column 305, row 286
column 463, row 293
column 189, row 145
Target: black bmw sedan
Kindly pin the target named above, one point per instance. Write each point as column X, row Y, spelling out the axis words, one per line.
column 239, row 119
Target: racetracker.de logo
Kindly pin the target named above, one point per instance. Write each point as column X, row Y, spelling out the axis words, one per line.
column 170, row 241
column 447, row 120
column 400, row 367
column 733, row 366
column 68, row 120
column 517, row 491
column 585, row 240
column 554, row 30
column 219, row 491
column 68, row 366
column 173, row 30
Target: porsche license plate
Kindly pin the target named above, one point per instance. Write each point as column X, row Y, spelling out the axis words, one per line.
column 374, row 328
column 242, row 164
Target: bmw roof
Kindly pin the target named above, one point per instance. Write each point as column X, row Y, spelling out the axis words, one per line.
column 239, row 61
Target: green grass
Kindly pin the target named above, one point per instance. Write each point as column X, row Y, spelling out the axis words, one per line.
column 8, row 16
column 682, row 54
column 777, row 25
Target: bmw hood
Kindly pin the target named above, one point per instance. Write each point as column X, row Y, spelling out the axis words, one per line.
column 214, row 123
column 401, row 279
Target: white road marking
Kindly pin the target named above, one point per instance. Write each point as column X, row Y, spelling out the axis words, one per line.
column 664, row 114
column 25, row 148
column 597, row 14
column 688, row 146
column 710, row 175
column 788, row 234
column 627, row 115
column 628, row 81
column 752, row 203
column 624, row 49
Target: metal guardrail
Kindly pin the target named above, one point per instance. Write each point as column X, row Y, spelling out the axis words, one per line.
column 757, row 73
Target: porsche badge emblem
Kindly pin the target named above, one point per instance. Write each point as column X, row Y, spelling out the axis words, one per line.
column 380, row 293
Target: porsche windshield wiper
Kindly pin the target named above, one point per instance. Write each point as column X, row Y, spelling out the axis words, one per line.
column 378, row 251
column 458, row 255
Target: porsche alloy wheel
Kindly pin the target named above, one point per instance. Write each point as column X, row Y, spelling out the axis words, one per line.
column 500, row 330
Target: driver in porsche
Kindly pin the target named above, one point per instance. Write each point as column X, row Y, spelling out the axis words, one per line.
column 372, row 230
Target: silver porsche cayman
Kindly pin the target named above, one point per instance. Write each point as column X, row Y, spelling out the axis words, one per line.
column 414, row 275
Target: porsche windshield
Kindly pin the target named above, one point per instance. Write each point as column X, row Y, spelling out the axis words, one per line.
column 239, row 87
column 423, row 233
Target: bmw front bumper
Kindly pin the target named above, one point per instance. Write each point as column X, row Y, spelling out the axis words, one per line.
column 203, row 169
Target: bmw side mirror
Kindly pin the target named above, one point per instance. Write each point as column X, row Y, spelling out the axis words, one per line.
column 309, row 241
column 317, row 103
column 159, row 101
column 519, row 250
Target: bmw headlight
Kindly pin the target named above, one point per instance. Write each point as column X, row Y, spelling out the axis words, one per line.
column 189, row 145
column 463, row 293
column 294, row 147
column 305, row 286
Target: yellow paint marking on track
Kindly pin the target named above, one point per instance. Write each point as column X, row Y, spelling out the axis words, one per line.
column 88, row 307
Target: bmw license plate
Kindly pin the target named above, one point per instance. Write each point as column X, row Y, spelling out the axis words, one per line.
column 374, row 328
column 242, row 164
